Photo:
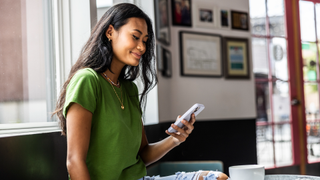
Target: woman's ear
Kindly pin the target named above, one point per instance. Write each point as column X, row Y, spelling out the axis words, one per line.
column 109, row 32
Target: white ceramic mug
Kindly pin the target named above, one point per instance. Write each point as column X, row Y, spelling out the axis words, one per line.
column 246, row 172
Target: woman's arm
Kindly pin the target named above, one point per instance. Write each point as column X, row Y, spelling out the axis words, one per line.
column 153, row 152
column 78, row 138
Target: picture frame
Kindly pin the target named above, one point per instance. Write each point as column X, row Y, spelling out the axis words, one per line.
column 159, row 57
column 205, row 15
column 167, row 63
column 239, row 20
column 164, row 61
column 201, row 54
column 236, row 52
column 162, row 21
column 181, row 13
column 224, row 18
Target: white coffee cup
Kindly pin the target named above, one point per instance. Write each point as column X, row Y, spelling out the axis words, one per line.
column 246, row 172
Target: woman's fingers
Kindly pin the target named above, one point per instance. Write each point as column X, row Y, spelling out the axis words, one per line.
column 189, row 127
column 181, row 131
column 184, row 132
column 193, row 119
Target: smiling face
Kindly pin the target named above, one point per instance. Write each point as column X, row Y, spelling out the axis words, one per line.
column 129, row 42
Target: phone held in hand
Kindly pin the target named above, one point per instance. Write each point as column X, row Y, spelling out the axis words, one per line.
column 196, row 109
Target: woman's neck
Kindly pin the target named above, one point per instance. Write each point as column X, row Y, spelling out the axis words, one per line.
column 115, row 70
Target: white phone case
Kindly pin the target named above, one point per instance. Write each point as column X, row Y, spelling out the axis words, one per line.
column 196, row 109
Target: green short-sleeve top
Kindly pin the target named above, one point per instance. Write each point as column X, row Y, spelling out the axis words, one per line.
column 115, row 133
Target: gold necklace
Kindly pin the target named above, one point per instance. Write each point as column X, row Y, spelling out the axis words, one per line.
column 122, row 107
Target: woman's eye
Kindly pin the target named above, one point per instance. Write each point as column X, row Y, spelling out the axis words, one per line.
column 145, row 42
column 135, row 37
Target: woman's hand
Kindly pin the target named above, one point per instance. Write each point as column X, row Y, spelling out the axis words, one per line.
column 183, row 132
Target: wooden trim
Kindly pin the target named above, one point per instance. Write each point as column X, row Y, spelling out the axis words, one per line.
column 296, row 84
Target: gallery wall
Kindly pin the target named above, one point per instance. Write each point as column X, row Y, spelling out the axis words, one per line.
column 223, row 98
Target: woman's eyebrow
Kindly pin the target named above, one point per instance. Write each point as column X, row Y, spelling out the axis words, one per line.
column 140, row 32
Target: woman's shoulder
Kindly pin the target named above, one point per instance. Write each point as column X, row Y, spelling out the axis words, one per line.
column 87, row 72
column 85, row 76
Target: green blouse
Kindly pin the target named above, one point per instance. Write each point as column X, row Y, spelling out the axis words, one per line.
column 115, row 133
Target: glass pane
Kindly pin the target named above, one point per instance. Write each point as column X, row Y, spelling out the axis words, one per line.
column 102, row 7
column 283, row 145
column 311, row 98
column 262, row 101
column 313, row 139
column 278, row 57
column 265, row 146
column 307, row 22
column 22, row 62
column 258, row 17
column 281, row 102
column 318, row 20
column 276, row 17
column 309, row 57
column 260, row 56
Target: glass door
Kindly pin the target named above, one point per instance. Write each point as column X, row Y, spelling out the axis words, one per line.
column 270, row 66
column 310, row 26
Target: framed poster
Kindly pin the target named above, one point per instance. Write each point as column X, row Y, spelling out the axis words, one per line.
column 239, row 20
column 181, row 12
column 200, row 54
column 205, row 15
column 167, row 69
column 159, row 57
column 224, row 18
column 162, row 21
column 237, row 58
column 164, row 61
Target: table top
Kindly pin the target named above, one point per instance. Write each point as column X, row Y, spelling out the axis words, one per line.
column 290, row 177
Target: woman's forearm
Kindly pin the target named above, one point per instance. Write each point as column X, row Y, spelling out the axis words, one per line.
column 155, row 151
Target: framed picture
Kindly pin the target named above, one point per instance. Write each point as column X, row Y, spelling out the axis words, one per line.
column 239, row 20
column 200, row 54
column 159, row 58
column 162, row 21
column 167, row 68
column 237, row 58
column 181, row 12
column 164, row 61
column 224, row 18
column 205, row 15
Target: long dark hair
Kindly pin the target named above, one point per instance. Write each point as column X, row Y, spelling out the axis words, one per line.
column 97, row 54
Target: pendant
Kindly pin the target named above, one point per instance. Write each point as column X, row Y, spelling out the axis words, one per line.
column 122, row 107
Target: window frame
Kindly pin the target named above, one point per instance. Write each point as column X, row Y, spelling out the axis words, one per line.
column 58, row 62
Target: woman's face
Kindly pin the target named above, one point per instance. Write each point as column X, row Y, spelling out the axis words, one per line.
column 129, row 42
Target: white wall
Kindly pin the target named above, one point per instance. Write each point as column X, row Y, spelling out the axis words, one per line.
column 224, row 99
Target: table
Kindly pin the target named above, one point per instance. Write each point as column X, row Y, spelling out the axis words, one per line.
column 290, row 177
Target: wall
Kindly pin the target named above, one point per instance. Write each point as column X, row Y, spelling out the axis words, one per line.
column 233, row 142
column 36, row 157
column 224, row 99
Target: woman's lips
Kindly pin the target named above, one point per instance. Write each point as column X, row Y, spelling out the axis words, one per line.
column 136, row 55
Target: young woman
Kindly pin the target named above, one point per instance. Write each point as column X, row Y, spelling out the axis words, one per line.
column 99, row 108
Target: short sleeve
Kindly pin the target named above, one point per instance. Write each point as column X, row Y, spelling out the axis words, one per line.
column 82, row 89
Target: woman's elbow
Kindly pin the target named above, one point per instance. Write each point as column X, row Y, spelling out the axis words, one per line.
column 73, row 162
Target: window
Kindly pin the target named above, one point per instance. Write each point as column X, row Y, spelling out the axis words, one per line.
column 270, row 66
column 309, row 23
column 28, row 90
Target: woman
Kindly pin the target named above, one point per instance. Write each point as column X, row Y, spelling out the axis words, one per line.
column 99, row 109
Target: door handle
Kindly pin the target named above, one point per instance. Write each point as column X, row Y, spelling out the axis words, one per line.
column 295, row 102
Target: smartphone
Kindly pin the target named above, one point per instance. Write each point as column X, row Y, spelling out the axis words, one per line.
column 196, row 109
